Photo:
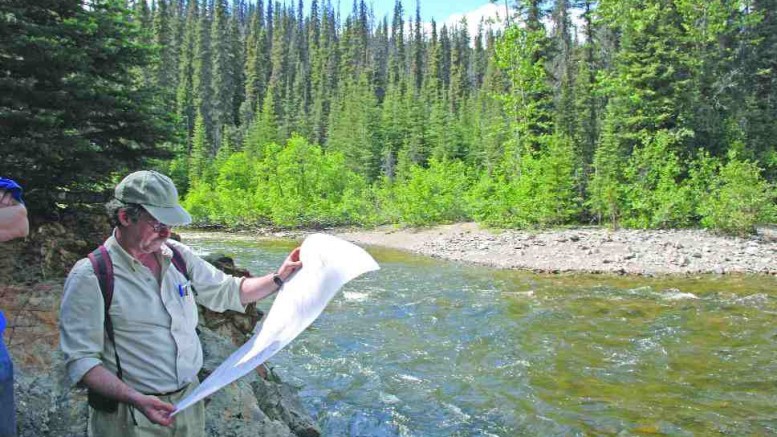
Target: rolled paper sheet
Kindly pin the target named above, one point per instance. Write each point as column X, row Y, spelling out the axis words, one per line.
column 328, row 263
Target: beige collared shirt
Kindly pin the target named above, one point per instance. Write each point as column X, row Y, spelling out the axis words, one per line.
column 154, row 325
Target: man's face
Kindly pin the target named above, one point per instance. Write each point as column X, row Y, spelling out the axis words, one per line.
column 147, row 232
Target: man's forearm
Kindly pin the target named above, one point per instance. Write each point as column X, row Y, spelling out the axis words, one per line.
column 257, row 288
column 101, row 380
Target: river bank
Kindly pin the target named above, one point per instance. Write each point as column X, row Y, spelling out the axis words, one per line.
column 576, row 250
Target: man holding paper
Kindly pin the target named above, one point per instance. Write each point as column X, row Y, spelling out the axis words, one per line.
column 154, row 355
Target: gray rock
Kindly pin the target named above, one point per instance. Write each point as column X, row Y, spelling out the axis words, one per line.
column 281, row 404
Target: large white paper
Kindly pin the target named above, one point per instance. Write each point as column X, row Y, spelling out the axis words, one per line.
column 327, row 264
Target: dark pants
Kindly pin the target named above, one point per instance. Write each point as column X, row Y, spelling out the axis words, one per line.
column 7, row 406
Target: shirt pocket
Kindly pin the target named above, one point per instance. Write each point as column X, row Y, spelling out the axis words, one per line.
column 190, row 309
column 185, row 296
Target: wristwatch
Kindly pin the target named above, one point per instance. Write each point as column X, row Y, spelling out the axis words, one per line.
column 277, row 279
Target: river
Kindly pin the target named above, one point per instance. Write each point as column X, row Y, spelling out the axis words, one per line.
column 425, row 347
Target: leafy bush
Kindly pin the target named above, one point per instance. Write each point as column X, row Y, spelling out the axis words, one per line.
column 234, row 185
column 653, row 194
column 425, row 196
column 739, row 198
column 200, row 202
column 538, row 191
column 301, row 185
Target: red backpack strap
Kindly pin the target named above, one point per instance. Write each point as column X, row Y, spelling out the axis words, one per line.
column 103, row 268
column 180, row 265
column 178, row 262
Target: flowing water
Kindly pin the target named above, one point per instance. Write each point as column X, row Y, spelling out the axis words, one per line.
column 425, row 347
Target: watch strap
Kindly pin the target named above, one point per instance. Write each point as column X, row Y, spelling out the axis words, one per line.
column 277, row 279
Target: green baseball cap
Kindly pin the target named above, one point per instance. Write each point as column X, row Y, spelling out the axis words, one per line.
column 156, row 193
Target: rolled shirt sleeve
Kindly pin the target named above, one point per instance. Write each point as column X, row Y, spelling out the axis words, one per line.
column 215, row 289
column 81, row 321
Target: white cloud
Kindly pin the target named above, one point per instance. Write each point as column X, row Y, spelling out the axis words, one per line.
column 493, row 15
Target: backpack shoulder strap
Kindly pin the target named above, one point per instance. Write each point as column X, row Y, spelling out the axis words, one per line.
column 180, row 265
column 179, row 262
column 103, row 268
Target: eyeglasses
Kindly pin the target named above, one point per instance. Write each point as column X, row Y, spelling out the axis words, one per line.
column 157, row 226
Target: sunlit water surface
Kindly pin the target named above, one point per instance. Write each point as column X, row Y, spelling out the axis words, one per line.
column 425, row 347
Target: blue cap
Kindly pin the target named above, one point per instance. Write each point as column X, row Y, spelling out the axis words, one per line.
column 13, row 187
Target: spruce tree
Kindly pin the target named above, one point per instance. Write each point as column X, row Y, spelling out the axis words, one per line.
column 185, row 93
column 200, row 153
column 202, row 75
column 761, row 80
column 255, row 68
column 165, row 68
column 71, row 112
column 222, row 79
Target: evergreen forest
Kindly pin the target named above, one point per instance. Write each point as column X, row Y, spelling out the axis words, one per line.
column 625, row 113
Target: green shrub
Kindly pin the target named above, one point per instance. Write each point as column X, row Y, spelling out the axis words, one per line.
column 436, row 194
column 200, row 202
column 303, row 186
column 537, row 189
column 653, row 195
column 739, row 198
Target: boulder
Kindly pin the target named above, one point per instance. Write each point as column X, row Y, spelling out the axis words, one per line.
column 231, row 324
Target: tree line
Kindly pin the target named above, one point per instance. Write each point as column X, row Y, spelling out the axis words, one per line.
column 649, row 113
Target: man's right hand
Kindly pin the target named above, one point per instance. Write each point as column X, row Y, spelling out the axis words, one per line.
column 155, row 409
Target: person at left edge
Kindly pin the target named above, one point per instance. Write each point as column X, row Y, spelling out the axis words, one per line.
column 13, row 224
column 153, row 321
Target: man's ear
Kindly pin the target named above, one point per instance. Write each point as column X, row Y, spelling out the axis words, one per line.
column 124, row 219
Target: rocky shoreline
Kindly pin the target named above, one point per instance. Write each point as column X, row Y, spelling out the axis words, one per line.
column 585, row 249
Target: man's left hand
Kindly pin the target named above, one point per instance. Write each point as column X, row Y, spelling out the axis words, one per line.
column 290, row 265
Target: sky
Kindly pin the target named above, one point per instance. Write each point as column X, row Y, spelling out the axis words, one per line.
column 440, row 10
column 448, row 12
